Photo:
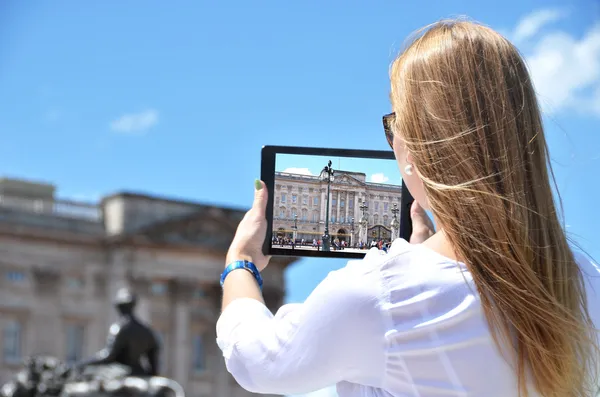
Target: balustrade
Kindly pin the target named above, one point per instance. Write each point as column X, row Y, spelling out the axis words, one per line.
column 60, row 208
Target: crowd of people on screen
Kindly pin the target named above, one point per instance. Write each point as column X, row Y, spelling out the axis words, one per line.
column 337, row 244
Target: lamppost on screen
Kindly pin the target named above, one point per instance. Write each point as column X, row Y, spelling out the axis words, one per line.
column 327, row 176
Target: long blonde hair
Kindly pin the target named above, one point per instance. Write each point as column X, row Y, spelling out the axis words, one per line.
column 467, row 112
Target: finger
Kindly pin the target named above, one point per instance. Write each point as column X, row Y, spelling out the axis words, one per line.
column 415, row 209
column 417, row 213
column 419, row 216
column 260, row 197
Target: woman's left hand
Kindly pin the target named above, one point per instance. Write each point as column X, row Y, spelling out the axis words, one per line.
column 251, row 232
column 421, row 224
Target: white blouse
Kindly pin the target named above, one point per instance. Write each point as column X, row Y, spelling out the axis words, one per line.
column 406, row 323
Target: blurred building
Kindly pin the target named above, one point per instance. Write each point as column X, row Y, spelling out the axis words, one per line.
column 305, row 197
column 61, row 263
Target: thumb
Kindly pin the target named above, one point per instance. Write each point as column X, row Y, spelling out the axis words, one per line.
column 260, row 196
column 417, row 214
column 415, row 209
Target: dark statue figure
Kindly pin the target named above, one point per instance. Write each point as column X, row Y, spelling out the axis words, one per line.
column 127, row 366
column 130, row 343
column 34, row 378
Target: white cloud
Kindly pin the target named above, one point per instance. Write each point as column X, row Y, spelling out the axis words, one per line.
column 135, row 123
column 301, row 171
column 379, row 178
column 565, row 69
column 328, row 392
column 530, row 25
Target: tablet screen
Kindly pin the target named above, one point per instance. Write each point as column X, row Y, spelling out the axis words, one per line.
column 335, row 204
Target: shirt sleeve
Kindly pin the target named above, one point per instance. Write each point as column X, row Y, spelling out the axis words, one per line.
column 336, row 335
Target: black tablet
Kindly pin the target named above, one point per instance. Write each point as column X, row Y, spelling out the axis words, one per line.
column 333, row 202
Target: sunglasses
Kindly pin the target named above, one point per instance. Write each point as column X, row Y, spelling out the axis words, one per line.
column 388, row 120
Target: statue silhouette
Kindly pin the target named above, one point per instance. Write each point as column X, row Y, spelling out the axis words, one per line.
column 130, row 342
column 46, row 376
column 127, row 366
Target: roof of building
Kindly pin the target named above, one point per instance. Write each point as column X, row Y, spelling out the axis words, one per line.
column 201, row 226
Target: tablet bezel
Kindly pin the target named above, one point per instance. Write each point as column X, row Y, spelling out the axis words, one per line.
column 267, row 175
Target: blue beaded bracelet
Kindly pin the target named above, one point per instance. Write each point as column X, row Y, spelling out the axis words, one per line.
column 249, row 266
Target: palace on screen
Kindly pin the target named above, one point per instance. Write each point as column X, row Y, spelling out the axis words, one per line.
column 300, row 203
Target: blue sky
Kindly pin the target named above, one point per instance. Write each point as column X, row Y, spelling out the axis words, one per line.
column 104, row 96
column 376, row 170
column 101, row 96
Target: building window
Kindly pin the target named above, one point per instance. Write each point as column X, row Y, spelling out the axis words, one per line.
column 375, row 219
column 304, row 214
column 11, row 342
column 74, row 342
column 385, row 206
column 342, row 203
column 351, row 203
column 315, row 201
column 283, row 197
column 15, row 276
column 159, row 288
column 332, row 218
column 342, row 219
column 198, row 357
column 74, row 283
column 305, row 200
column 294, row 212
column 386, row 220
column 333, row 202
column 315, row 217
column 294, row 199
column 282, row 213
column 376, row 205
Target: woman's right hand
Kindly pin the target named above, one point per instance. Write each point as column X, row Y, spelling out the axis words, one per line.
column 422, row 226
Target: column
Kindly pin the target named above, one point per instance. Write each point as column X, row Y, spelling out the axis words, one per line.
column 358, row 211
column 182, row 295
column 323, row 204
column 346, row 204
column 355, row 209
column 141, row 287
column 223, row 383
column 46, row 336
column 98, row 327
column 117, row 279
column 339, row 196
column 331, row 208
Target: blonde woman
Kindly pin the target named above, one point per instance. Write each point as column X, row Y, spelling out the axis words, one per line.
column 494, row 304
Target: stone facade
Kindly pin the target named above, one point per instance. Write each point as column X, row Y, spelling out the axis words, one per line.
column 305, row 196
column 62, row 262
